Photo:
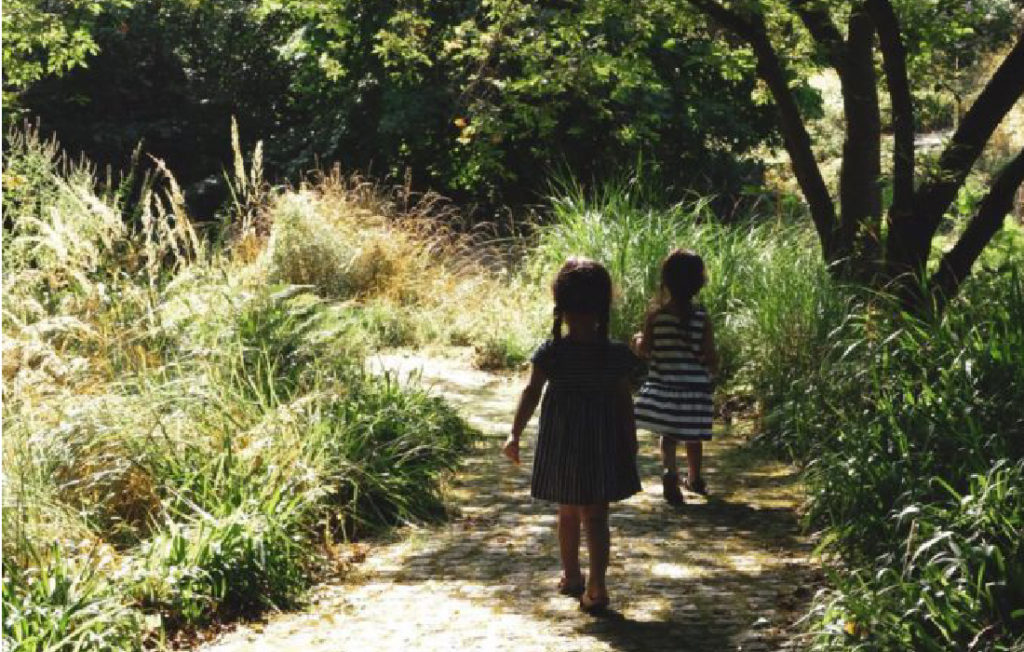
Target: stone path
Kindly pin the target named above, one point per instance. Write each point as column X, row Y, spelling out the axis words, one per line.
column 728, row 573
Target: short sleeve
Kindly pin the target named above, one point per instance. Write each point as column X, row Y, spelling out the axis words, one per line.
column 543, row 357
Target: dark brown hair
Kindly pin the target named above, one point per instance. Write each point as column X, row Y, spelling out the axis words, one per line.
column 583, row 286
column 682, row 277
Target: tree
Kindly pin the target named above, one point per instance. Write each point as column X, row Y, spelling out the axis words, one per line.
column 477, row 99
column 40, row 41
column 861, row 239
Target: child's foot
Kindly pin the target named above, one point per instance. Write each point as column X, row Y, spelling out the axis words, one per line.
column 697, row 486
column 573, row 588
column 670, row 488
column 594, row 600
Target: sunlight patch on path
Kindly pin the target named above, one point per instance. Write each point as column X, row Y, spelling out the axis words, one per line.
column 726, row 573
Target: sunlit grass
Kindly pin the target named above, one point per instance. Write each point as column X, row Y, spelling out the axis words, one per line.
column 185, row 429
column 186, row 425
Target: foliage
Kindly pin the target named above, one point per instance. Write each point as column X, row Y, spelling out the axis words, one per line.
column 947, row 42
column 912, row 442
column 479, row 100
column 908, row 431
column 185, row 437
column 41, row 39
column 64, row 602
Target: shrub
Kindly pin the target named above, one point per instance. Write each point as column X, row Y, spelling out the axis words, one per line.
column 912, row 437
column 64, row 600
column 215, row 428
column 304, row 249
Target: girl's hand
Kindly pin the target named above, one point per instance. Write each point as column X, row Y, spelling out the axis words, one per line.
column 637, row 343
column 511, row 449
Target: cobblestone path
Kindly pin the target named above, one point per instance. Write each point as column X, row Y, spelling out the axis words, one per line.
column 731, row 572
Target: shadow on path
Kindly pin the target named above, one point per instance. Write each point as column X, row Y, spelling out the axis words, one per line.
column 725, row 573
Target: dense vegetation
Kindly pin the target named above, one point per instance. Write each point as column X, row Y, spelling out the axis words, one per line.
column 478, row 100
column 183, row 432
column 157, row 387
column 910, row 432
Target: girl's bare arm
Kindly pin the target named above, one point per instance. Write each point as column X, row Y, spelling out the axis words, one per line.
column 528, row 401
column 642, row 341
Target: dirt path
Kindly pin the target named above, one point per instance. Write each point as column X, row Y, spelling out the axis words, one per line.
column 729, row 573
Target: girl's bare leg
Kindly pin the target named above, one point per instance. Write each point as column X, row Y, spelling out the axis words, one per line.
column 694, row 454
column 668, row 454
column 595, row 522
column 569, row 540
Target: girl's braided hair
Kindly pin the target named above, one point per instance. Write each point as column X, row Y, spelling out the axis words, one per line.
column 583, row 286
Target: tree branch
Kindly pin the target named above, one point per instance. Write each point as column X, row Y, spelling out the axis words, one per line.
column 794, row 133
column 999, row 95
column 726, row 18
column 819, row 23
column 894, row 62
column 956, row 264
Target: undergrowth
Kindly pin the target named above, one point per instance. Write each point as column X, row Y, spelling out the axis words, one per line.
column 187, row 422
column 187, row 429
column 910, row 432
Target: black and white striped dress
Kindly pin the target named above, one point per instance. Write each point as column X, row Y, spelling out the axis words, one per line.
column 583, row 456
column 675, row 399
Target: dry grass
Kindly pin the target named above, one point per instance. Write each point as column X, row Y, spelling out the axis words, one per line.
column 405, row 261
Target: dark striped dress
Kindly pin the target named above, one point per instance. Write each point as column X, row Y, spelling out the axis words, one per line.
column 584, row 455
column 675, row 399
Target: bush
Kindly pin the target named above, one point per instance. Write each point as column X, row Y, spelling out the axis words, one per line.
column 216, row 431
column 912, row 436
column 304, row 249
column 386, row 466
column 65, row 600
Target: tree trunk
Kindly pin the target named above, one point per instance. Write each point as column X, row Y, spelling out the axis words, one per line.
column 956, row 264
column 794, row 134
column 909, row 240
column 894, row 62
column 860, row 194
column 914, row 217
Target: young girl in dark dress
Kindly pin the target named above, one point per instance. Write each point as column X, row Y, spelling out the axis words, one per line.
column 586, row 445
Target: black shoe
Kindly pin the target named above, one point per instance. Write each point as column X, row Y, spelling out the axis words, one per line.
column 698, row 486
column 670, row 487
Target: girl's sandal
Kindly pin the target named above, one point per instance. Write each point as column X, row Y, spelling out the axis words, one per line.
column 572, row 589
column 593, row 606
column 698, row 486
column 670, row 488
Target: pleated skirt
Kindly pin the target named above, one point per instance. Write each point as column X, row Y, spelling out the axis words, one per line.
column 583, row 456
column 683, row 414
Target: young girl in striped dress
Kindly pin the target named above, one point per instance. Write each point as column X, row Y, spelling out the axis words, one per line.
column 675, row 399
column 586, row 444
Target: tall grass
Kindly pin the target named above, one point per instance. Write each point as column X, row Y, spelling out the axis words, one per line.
column 910, row 432
column 183, row 435
column 418, row 280
column 766, row 283
column 914, row 435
